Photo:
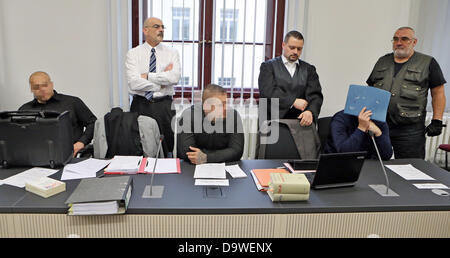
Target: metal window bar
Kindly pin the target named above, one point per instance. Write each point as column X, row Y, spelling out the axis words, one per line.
column 203, row 47
column 182, row 52
column 193, row 53
column 253, row 57
column 213, row 66
column 243, row 51
column 140, row 19
column 234, row 42
column 223, row 32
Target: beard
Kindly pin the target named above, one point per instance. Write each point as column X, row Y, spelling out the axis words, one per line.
column 293, row 58
column 402, row 53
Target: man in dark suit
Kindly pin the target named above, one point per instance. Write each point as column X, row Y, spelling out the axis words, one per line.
column 293, row 82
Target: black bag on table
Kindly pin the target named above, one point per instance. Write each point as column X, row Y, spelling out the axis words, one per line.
column 35, row 138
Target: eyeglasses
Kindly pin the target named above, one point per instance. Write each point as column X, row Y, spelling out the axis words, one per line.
column 402, row 39
column 157, row 26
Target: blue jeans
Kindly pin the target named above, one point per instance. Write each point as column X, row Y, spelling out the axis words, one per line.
column 408, row 141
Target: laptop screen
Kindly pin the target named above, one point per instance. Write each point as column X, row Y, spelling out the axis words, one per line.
column 338, row 169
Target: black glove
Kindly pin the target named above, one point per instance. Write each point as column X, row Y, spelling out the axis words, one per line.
column 434, row 128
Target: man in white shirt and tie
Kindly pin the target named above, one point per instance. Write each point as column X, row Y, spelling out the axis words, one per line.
column 152, row 69
column 293, row 82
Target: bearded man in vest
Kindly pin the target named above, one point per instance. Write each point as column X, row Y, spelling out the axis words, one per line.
column 408, row 75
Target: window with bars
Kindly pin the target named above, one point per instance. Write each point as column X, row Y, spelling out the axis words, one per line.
column 228, row 25
column 184, row 81
column 219, row 41
column 227, row 82
column 180, row 23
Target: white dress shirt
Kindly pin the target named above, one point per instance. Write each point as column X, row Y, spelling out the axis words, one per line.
column 290, row 66
column 161, row 83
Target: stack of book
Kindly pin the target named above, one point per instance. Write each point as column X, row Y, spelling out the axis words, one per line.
column 45, row 187
column 288, row 187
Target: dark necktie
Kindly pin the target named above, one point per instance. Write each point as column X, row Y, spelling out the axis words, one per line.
column 149, row 94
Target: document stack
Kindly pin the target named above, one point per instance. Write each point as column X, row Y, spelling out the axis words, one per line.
column 100, row 196
column 45, row 187
column 288, row 187
column 124, row 165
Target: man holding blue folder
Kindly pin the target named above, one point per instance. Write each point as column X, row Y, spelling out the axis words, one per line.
column 349, row 133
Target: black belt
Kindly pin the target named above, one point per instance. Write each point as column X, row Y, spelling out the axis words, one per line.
column 155, row 99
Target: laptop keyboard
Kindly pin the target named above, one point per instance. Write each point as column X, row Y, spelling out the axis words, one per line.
column 310, row 176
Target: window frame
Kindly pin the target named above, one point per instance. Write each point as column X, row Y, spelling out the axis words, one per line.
column 206, row 28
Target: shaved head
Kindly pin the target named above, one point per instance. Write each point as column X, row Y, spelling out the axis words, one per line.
column 214, row 100
column 41, row 86
column 39, row 74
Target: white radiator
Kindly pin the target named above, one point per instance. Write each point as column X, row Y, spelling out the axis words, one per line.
column 432, row 143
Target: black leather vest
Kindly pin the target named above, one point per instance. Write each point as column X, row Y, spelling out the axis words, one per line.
column 409, row 88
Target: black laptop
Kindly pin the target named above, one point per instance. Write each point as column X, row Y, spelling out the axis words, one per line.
column 336, row 170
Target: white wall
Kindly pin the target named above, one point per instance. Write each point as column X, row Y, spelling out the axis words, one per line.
column 67, row 39
column 431, row 20
column 344, row 39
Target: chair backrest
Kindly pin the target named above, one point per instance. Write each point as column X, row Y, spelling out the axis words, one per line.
column 284, row 148
column 148, row 132
column 323, row 127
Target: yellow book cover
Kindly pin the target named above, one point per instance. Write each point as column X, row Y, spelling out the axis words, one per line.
column 289, row 184
column 287, row 197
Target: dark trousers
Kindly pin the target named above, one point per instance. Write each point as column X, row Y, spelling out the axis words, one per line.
column 408, row 141
column 161, row 111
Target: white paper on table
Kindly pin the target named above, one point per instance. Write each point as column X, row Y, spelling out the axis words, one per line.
column 212, row 182
column 409, row 172
column 431, row 186
column 32, row 174
column 124, row 164
column 210, row 170
column 84, row 169
column 235, row 171
column 162, row 166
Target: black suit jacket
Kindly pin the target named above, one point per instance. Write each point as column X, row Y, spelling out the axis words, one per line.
column 276, row 82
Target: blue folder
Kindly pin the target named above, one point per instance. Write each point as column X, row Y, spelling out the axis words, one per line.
column 374, row 99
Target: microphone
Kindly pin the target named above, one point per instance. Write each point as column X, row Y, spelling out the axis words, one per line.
column 161, row 137
column 380, row 188
column 156, row 191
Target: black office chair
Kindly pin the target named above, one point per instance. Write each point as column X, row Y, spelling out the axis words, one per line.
column 284, row 148
column 323, row 127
